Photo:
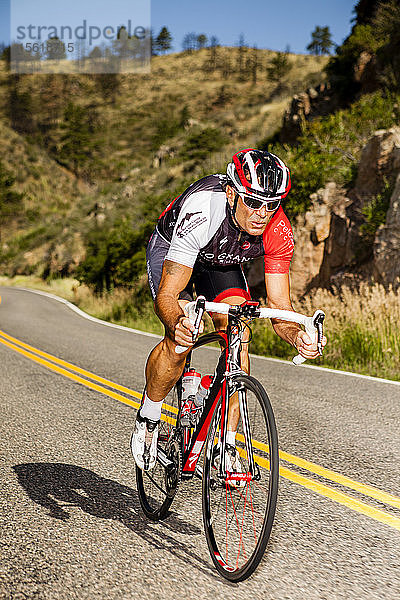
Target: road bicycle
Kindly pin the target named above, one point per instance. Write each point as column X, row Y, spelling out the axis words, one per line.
column 238, row 505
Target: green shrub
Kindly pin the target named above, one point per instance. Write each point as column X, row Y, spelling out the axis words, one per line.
column 200, row 144
column 375, row 215
column 114, row 256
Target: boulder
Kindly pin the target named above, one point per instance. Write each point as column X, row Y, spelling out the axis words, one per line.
column 162, row 154
column 315, row 102
column 387, row 243
column 320, row 240
column 379, row 164
column 380, row 159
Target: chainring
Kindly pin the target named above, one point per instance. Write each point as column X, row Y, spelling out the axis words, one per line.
column 173, row 473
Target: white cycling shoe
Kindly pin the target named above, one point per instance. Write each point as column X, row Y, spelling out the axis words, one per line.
column 233, row 464
column 144, row 442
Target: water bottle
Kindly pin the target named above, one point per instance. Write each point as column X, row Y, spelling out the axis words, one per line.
column 199, row 399
column 202, row 390
column 190, row 383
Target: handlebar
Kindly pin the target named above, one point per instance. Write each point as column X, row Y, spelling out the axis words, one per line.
column 313, row 325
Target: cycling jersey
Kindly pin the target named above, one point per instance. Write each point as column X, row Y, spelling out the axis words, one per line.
column 197, row 226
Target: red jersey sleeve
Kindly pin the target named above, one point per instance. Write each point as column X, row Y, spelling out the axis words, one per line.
column 278, row 244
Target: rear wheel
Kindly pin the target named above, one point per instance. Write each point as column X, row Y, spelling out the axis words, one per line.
column 238, row 513
column 157, row 487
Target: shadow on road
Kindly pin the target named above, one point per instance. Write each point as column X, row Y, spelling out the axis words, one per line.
column 58, row 486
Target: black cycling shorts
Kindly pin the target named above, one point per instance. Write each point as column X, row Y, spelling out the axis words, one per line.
column 214, row 283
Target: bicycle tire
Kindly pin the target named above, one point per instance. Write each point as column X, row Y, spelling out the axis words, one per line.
column 233, row 550
column 157, row 488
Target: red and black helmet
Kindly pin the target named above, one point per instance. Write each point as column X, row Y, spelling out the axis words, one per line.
column 259, row 174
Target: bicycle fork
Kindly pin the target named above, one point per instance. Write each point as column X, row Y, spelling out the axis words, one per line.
column 253, row 471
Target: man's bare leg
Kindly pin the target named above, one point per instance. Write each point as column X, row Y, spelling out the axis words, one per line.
column 164, row 367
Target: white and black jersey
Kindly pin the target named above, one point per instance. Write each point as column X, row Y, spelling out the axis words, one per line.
column 197, row 226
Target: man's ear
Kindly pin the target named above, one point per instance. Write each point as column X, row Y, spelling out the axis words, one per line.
column 230, row 195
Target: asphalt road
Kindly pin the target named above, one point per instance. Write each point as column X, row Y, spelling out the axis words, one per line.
column 71, row 525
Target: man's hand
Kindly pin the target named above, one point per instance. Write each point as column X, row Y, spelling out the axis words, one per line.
column 306, row 347
column 184, row 331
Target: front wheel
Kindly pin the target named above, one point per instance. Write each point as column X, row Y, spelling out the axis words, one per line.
column 238, row 513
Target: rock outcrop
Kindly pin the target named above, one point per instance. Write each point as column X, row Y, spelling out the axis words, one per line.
column 329, row 245
column 321, row 239
column 315, row 102
column 387, row 243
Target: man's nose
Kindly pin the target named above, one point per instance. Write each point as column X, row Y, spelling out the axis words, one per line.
column 262, row 212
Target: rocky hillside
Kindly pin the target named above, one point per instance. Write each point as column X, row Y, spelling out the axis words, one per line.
column 353, row 234
column 89, row 152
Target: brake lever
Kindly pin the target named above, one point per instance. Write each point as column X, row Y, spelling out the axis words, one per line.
column 318, row 324
column 195, row 315
column 200, row 308
column 314, row 328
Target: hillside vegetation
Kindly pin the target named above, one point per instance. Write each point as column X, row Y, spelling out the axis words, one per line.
column 82, row 148
column 96, row 159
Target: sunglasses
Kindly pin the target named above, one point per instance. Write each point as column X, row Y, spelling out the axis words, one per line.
column 256, row 204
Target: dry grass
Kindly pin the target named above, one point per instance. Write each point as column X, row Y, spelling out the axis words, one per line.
column 363, row 328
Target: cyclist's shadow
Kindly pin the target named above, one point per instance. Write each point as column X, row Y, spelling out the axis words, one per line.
column 57, row 486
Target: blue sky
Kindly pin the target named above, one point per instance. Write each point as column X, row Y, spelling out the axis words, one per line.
column 266, row 23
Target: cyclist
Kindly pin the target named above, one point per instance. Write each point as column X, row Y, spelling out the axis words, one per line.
column 203, row 238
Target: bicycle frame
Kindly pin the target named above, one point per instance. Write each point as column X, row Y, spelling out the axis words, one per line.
column 228, row 366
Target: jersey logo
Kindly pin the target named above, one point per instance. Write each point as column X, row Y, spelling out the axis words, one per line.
column 245, row 246
column 223, row 241
column 185, row 226
column 285, row 232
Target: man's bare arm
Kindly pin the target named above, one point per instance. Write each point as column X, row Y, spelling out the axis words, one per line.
column 174, row 279
column 278, row 295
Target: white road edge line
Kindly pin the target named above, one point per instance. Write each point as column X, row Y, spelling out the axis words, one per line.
column 154, row 335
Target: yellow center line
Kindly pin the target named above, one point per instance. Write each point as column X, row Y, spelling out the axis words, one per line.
column 89, row 384
column 341, row 498
column 59, row 361
column 41, row 357
column 332, row 494
column 364, row 489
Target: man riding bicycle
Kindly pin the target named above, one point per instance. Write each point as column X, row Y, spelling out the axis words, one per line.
column 202, row 239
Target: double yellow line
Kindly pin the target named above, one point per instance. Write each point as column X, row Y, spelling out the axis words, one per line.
column 126, row 396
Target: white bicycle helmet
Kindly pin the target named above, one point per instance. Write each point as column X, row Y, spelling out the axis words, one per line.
column 259, row 175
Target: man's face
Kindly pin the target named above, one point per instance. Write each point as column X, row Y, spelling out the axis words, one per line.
column 252, row 221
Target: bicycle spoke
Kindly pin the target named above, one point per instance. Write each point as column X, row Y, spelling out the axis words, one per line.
column 154, row 482
column 238, row 512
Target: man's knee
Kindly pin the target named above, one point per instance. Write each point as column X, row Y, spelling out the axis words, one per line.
column 168, row 347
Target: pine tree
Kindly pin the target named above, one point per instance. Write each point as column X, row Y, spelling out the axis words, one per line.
column 21, row 107
column 321, row 41
column 278, row 67
column 78, row 143
column 201, row 41
column 53, row 92
column 242, row 47
column 189, row 42
column 326, row 40
column 55, row 49
column 163, row 40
